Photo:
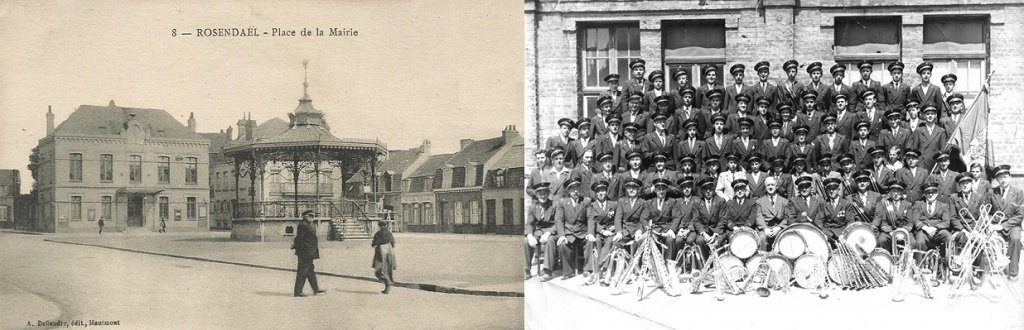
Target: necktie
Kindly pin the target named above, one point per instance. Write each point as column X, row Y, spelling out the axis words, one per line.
column 931, row 208
column 773, row 201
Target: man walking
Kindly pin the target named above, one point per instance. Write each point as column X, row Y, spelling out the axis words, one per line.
column 305, row 246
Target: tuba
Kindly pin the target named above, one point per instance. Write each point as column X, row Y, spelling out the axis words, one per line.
column 900, row 238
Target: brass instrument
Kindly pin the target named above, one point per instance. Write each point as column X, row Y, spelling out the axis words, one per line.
column 760, row 278
column 981, row 239
column 651, row 265
column 856, row 273
column 689, row 261
column 906, row 267
column 899, row 235
column 615, row 264
column 713, row 270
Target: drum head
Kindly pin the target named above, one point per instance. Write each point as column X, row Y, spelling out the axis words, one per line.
column 809, row 271
column 883, row 259
column 754, row 261
column 790, row 244
column 782, row 268
column 815, row 239
column 859, row 235
column 833, row 271
column 743, row 243
column 733, row 265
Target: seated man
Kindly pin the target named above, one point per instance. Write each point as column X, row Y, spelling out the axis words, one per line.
column 630, row 210
column 891, row 213
column 540, row 225
column 688, row 210
column 834, row 214
column 571, row 224
column 709, row 212
column 665, row 216
column 770, row 214
column 1010, row 202
column 600, row 228
column 802, row 207
column 931, row 220
column 739, row 211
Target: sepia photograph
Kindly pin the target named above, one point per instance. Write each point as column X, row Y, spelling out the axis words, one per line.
column 261, row 164
column 773, row 164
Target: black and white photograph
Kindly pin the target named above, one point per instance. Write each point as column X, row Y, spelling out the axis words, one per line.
column 261, row 165
column 773, row 164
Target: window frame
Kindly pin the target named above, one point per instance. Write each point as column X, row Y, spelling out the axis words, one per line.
column 191, row 208
column 106, row 168
column 135, row 168
column 954, row 60
column 106, row 203
column 76, row 207
column 695, row 64
column 191, row 170
column 164, row 203
column 588, row 94
column 75, row 166
column 847, row 57
column 163, row 169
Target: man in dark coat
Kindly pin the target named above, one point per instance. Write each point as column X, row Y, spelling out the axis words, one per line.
column 306, row 248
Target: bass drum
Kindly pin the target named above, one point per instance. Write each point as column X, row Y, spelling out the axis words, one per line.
column 754, row 261
column 860, row 237
column 733, row 265
column 743, row 243
column 809, row 271
column 814, row 240
column 790, row 244
column 884, row 259
column 781, row 269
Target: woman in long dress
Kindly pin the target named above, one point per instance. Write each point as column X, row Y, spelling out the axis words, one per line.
column 384, row 263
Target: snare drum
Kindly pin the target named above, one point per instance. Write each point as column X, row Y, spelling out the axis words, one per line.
column 809, row 271
column 733, row 265
column 743, row 243
column 860, row 237
column 814, row 240
column 781, row 268
column 790, row 244
column 884, row 259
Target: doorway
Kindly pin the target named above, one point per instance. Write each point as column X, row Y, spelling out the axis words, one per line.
column 135, row 217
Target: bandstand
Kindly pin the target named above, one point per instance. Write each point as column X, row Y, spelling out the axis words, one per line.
column 313, row 162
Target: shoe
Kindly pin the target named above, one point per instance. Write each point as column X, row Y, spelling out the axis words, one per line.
column 568, row 276
column 527, row 277
column 319, row 292
column 387, row 289
column 300, row 295
column 546, row 277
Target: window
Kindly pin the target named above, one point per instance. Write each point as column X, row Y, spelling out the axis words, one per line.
column 458, row 177
column 387, row 181
column 135, row 168
column 958, row 45
column 606, row 49
column 76, row 207
column 3, row 213
column 438, row 179
column 191, row 170
column 417, row 184
column 76, row 167
column 690, row 46
column 163, row 169
column 507, row 212
column 879, row 71
column 106, row 168
column 479, row 175
column 106, row 201
column 428, row 213
column 499, row 178
column 190, row 206
column 474, row 212
column 165, row 208
column 457, row 213
column 867, row 38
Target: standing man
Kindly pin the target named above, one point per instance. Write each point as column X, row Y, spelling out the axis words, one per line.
column 732, row 93
column 656, row 90
column 637, row 84
column 896, row 92
column 866, row 84
column 763, row 87
column 912, row 176
column 789, row 92
column 615, row 93
column 815, row 71
column 711, row 77
column 949, row 84
column 306, row 248
column 838, row 87
column 929, row 139
column 686, row 111
column 926, row 93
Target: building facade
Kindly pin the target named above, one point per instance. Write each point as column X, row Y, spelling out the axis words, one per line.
column 130, row 167
column 10, row 189
column 418, row 200
column 572, row 45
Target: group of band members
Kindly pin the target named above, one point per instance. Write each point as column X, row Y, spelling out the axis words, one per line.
column 699, row 164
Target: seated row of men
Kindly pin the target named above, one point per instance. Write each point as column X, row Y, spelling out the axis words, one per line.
column 578, row 224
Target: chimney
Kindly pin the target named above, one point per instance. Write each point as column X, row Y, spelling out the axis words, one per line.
column 465, row 143
column 425, row 147
column 250, row 125
column 192, row 122
column 229, row 131
column 49, row 120
column 242, row 124
column 509, row 134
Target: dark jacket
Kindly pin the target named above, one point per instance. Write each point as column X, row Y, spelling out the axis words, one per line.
column 305, row 243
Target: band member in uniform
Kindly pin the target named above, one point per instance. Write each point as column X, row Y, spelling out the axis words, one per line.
column 584, row 172
column 610, row 141
column 913, row 177
column 815, row 71
column 631, row 210
column 761, row 117
column 931, row 220
column 763, row 88
column 713, row 107
column 731, row 173
column 1011, row 200
column 660, row 171
column 687, row 167
column 871, row 113
column 845, row 117
column 712, row 168
column 880, row 173
column 946, row 178
column 711, row 77
column 802, row 206
column 659, row 142
column 743, row 144
column 801, row 144
column 798, row 168
column 732, row 93
column 833, row 215
column 687, row 209
column 755, row 176
column 913, row 120
column 948, row 84
column 847, row 168
column 956, row 112
column 789, row 92
column 600, row 227
column 710, row 211
column 896, row 92
column 967, row 199
column 742, row 104
column 861, row 145
column 789, row 121
column 689, row 142
column 926, row 93
column 682, row 79
column 739, row 211
column 565, row 126
column 583, row 142
column 863, row 202
column 895, row 134
column 830, row 142
column 769, row 214
column 607, row 174
column 809, row 114
column 538, row 173
column 866, row 84
column 838, row 87
column 981, row 183
column 598, row 123
column 774, row 145
column 539, row 229
column 657, row 89
column 637, row 83
column 634, row 114
column 718, row 143
column 666, row 215
column 633, row 171
column 571, row 227
column 929, row 140
column 686, row 111
column 783, row 180
column 891, row 213
column 615, row 92
column 557, row 174
column 629, row 143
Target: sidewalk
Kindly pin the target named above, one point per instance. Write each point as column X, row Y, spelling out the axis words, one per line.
column 483, row 263
column 14, row 299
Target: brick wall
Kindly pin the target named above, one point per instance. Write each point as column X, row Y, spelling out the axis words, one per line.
column 785, row 31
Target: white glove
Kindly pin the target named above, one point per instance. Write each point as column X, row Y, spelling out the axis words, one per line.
column 683, row 232
column 706, row 237
column 591, row 238
column 544, row 237
column 996, row 227
column 670, row 234
column 562, row 240
column 637, row 233
column 606, row 233
column 532, row 241
column 617, row 237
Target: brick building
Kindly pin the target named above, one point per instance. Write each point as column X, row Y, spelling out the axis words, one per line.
column 571, row 45
column 128, row 166
column 10, row 189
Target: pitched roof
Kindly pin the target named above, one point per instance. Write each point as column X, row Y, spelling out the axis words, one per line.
column 217, row 140
column 512, row 159
column 111, row 119
column 478, row 151
column 399, row 160
column 269, row 128
column 430, row 165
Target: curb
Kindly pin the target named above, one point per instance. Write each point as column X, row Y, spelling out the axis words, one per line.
column 417, row 286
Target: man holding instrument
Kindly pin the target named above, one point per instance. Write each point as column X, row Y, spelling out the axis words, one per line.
column 864, row 200
column 890, row 214
column 770, row 214
column 600, row 227
column 1011, row 203
column 665, row 214
column 931, row 219
column 833, row 215
column 710, row 210
column 912, row 176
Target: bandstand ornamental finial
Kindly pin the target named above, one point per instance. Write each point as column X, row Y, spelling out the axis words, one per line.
column 305, row 78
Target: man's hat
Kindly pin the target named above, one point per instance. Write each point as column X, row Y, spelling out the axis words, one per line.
column 825, row 158
column 718, row 117
column 928, row 109
column 685, row 181
column 708, row 68
column 633, row 182
column 803, row 181
column 894, row 184
column 965, row 177
column 955, row 98
column 864, row 64
column 599, row 185
column 1003, row 169
column 779, row 161
column 745, row 121
column 732, row 156
column 688, row 159
column 877, row 151
column 941, row 156
column 862, row 175
column 655, row 74
column 814, row 66
column 541, row 186
column 829, row 117
column 860, row 124
column 711, row 159
column 688, row 90
column 742, row 98
column 911, row 103
column 832, row 183
column 739, row 184
column 775, row 124
column 896, row 66
column 800, row 158
column 660, row 157
column 572, row 182
column 706, row 182
column 616, row 118
column 763, row 65
column 689, row 123
column 737, row 67
column 636, row 95
column 912, row 153
column 607, row 155
column 604, row 99
column 949, row 77
column 764, row 100
column 785, row 107
column 634, row 153
column 308, row 212
column 660, row 116
column 716, row 92
column 930, row 187
column 801, row 129
column 611, row 76
column 660, row 182
column 846, row 158
column 675, row 76
column 566, row 122
column 631, row 126
column 893, row 114
column 754, row 157
column 585, row 122
column 866, row 93
column 661, row 99
column 555, row 151
column 791, row 64
column 924, row 66
column 837, row 68
column 809, row 94
column 837, row 97
column 636, row 62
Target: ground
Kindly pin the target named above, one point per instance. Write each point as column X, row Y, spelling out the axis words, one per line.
column 46, row 280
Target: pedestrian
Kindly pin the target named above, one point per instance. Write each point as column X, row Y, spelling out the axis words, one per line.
column 101, row 226
column 384, row 264
column 163, row 226
column 305, row 246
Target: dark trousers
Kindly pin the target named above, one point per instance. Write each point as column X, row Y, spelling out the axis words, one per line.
column 670, row 247
column 885, row 241
column 568, row 253
column 1013, row 247
column 550, row 253
column 303, row 273
column 695, row 238
column 596, row 252
column 922, row 242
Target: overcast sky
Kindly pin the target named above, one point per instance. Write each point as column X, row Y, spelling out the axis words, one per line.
column 438, row 70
